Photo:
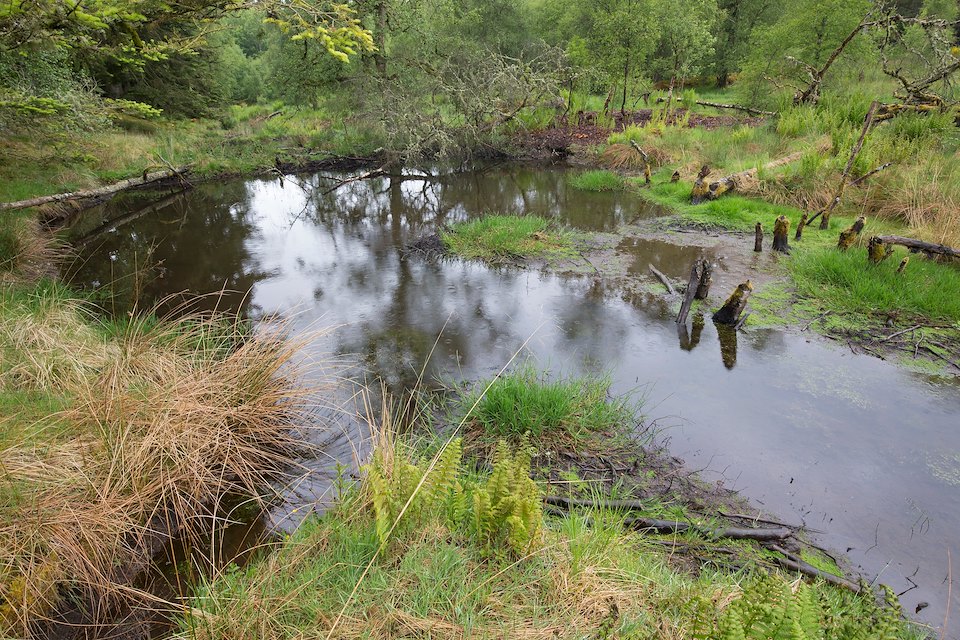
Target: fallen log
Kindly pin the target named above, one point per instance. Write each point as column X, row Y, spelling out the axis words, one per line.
column 793, row 563
column 662, row 278
column 720, row 105
column 920, row 245
column 99, row 192
column 733, row 308
column 703, row 191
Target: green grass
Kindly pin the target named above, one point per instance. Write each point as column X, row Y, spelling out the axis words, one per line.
column 496, row 237
column 526, row 402
column 586, row 576
column 598, row 180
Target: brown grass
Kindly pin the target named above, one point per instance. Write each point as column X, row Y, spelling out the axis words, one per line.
column 173, row 419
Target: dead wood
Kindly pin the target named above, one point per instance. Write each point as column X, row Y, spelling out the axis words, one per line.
column 792, row 562
column 100, row 192
column 903, row 264
column 841, row 186
column 696, row 276
column 811, row 94
column 871, row 173
column 919, row 245
column 703, row 191
column 878, row 250
column 850, row 235
column 676, row 176
column 706, row 279
column 700, row 186
column 758, row 238
column 662, row 278
column 720, row 105
column 800, row 226
column 113, row 224
column 781, row 229
column 733, row 308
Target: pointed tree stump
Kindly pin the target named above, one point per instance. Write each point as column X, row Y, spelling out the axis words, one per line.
column 849, row 236
column 903, row 264
column 696, row 274
column 706, row 278
column 700, row 187
column 733, row 308
column 878, row 250
column 676, row 176
column 781, row 229
column 758, row 238
column 800, row 226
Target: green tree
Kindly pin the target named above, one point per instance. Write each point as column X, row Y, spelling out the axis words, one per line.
column 686, row 44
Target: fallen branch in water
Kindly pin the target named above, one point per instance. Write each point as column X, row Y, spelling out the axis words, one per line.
column 792, row 562
column 662, row 278
column 99, row 192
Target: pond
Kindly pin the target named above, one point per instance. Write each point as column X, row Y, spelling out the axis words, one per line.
column 864, row 452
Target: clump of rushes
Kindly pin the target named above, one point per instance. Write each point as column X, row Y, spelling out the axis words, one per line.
column 26, row 252
column 159, row 422
column 525, row 402
column 597, row 180
column 498, row 237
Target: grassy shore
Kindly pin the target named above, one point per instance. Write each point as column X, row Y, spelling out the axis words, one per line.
column 427, row 546
column 502, row 237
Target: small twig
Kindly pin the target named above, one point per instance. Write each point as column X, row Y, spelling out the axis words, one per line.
column 662, row 278
column 817, row 319
column 900, row 333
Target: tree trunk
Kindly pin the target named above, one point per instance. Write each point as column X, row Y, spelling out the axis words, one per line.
column 380, row 39
column 758, row 238
column 849, row 236
column 781, row 228
column 626, row 75
column 733, row 308
column 700, row 187
column 800, row 226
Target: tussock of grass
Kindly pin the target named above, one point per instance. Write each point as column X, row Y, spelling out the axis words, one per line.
column 165, row 420
column 26, row 252
column 503, row 237
column 597, row 180
column 525, row 402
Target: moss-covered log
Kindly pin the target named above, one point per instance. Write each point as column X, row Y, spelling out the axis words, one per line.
column 781, row 229
column 703, row 191
column 733, row 308
column 850, row 235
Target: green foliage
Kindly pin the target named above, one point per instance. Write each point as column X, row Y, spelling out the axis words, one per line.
column 11, row 246
column 771, row 609
column 406, row 495
column 509, row 507
column 597, row 180
column 522, row 402
column 496, row 237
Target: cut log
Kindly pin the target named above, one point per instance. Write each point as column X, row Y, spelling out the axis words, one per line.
column 800, row 226
column 100, row 192
column 781, row 229
column 733, row 308
column 878, row 251
column 703, row 191
column 903, row 264
column 696, row 274
column 849, row 236
column 920, row 245
column 841, row 186
column 662, row 278
column 703, row 289
column 758, row 238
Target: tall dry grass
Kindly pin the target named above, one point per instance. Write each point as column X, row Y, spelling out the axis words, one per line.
column 166, row 420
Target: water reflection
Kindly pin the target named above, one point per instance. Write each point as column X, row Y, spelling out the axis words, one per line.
column 853, row 446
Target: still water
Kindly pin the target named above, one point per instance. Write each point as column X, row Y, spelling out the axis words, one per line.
column 855, row 448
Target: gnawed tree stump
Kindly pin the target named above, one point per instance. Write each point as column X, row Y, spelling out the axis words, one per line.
column 676, row 176
column 758, row 238
column 849, row 236
column 703, row 289
column 800, row 226
column 700, row 186
column 903, row 264
column 878, row 250
column 733, row 308
column 781, row 228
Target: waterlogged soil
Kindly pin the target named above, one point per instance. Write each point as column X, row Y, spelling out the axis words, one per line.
column 860, row 450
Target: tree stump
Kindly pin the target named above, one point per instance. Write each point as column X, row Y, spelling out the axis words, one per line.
column 706, row 278
column 878, row 250
column 676, row 176
column 903, row 264
column 758, row 238
column 849, row 236
column 700, row 187
column 800, row 226
column 733, row 308
column 780, row 230
column 696, row 275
